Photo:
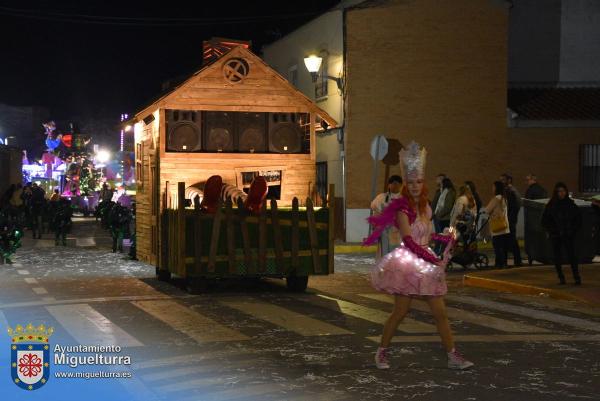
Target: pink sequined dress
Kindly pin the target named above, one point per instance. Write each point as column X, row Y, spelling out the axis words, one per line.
column 402, row 272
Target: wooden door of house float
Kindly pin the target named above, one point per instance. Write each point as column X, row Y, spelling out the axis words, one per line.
column 292, row 242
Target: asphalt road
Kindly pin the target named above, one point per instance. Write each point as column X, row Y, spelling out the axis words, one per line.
column 256, row 341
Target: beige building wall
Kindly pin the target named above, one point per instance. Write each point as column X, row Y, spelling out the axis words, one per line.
column 323, row 35
column 436, row 72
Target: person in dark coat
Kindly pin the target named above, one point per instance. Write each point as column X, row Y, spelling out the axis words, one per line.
column 513, row 200
column 534, row 189
column 61, row 221
column 37, row 205
column 562, row 219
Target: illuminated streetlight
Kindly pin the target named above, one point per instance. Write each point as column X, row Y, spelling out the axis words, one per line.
column 103, row 156
column 313, row 64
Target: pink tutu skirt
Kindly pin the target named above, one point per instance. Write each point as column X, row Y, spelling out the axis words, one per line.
column 401, row 272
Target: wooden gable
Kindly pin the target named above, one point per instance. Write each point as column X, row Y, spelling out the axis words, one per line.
column 262, row 89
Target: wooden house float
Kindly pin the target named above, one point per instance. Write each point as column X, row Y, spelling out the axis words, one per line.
column 237, row 118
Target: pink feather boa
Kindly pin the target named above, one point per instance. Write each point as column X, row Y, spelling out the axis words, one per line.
column 387, row 218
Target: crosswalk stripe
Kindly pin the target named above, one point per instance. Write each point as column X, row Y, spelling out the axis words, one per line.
column 89, row 300
column 296, row 322
column 552, row 303
column 236, row 393
column 193, row 384
column 468, row 316
column 31, row 280
column 88, row 326
column 183, row 359
column 408, row 325
column 196, row 369
column 494, row 338
column 191, row 323
column 528, row 312
column 40, row 290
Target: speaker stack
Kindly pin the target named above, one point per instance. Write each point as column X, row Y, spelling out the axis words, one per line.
column 219, row 131
column 251, row 132
column 184, row 131
column 286, row 133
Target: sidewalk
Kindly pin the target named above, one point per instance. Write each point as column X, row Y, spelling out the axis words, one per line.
column 538, row 280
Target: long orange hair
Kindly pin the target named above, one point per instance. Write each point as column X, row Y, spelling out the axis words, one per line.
column 421, row 208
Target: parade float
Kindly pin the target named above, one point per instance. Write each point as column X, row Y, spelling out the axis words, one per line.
column 239, row 120
column 78, row 171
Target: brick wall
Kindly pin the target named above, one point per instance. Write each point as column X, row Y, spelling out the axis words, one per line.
column 435, row 72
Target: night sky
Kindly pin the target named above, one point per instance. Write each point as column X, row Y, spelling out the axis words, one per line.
column 102, row 58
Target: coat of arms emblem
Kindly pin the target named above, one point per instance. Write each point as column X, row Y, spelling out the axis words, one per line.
column 30, row 355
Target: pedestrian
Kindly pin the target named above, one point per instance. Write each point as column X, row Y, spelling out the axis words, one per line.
column 562, row 220
column 497, row 209
column 391, row 238
column 55, row 196
column 61, row 221
column 465, row 209
column 438, row 180
column 106, row 193
column 412, row 270
column 476, row 196
column 445, row 203
column 513, row 200
column 534, row 189
column 37, row 205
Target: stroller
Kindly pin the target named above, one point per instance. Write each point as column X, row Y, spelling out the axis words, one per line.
column 466, row 253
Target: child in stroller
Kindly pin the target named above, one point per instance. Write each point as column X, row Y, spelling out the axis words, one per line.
column 466, row 253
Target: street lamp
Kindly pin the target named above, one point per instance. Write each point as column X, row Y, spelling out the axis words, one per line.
column 313, row 65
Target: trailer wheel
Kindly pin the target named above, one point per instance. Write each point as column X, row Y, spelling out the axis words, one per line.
column 163, row 275
column 296, row 283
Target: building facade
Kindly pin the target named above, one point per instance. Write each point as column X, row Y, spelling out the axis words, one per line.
column 438, row 73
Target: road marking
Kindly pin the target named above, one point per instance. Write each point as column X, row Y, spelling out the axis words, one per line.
column 31, row 280
column 40, row 290
column 408, row 325
column 528, row 312
column 493, row 338
column 23, row 272
column 89, row 300
column 238, row 392
column 289, row 320
column 193, row 324
column 468, row 316
column 194, row 384
column 17, row 265
column 188, row 358
column 88, row 326
column 48, row 299
column 188, row 370
column 551, row 303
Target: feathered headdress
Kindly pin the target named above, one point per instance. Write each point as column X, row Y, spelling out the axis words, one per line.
column 412, row 161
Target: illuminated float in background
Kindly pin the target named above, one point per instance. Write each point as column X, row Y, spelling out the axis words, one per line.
column 78, row 173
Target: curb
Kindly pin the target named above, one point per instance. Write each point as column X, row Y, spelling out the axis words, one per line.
column 355, row 249
column 508, row 286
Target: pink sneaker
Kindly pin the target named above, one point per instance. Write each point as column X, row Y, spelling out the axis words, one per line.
column 381, row 358
column 457, row 361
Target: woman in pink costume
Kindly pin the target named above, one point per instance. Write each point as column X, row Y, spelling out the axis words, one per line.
column 412, row 270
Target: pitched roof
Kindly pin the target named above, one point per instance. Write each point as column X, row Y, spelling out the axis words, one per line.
column 551, row 104
column 240, row 51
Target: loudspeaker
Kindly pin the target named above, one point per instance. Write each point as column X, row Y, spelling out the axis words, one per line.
column 219, row 131
column 184, row 133
column 286, row 134
column 251, row 132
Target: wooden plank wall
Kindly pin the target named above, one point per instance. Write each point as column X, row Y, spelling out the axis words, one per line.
column 147, row 139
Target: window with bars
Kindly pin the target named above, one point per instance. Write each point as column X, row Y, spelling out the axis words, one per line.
column 322, row 183
column 589, row 168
